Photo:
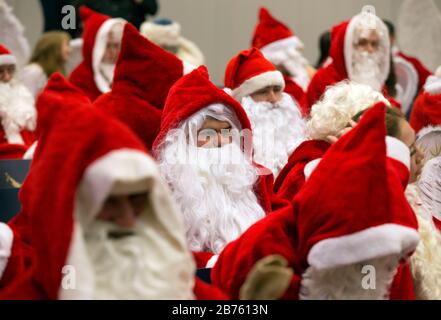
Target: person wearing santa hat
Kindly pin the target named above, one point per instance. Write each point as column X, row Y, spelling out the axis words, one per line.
column 144, row 74
column 277, row 122
column 284, row 49
column 204, row 152
column 166, row 33
column 421, row 195
column 360, row 52
column 113, row 231
column 101, row 45
column 337, row 234
column 329, row 118
column 17, row 110
column 426, row 109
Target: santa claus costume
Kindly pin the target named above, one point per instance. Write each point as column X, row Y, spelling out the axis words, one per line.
column 278, row 126
column 51, row 239
column 281, row 46
column 328, row 117
column 218, row 201
column 144, row 74
column 427, row 108
column 347, row 63
column 319, row 250
column 17, row 113
column 91, row 75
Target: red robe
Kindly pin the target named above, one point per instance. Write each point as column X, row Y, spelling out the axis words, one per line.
column 292, row 177
column 15, row 151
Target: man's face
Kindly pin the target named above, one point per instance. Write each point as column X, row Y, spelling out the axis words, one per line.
column 123, row 210
column 113, row 47
column 271, row 94
column 369, row 43
column 407, row 135
column 7, row 72
column 214, row 134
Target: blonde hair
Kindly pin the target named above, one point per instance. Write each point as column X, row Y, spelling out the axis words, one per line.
column 47, row 52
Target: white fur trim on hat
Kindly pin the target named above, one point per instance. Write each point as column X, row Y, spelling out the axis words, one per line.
column 269, row 78
column 162, row 34
column 98, row 52
column 397, row 150
column 433, row 85
column 371, row 243
column 282, row 45
column 6, row 241
column 7, row 59
column 427, row 130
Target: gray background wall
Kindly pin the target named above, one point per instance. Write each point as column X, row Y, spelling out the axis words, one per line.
column 221, row 28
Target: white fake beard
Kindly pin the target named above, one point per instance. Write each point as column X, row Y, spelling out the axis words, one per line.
column 367, row 69
column 296, row 66
column 107, row 70
column 128, row 268
column 215, row 190
column 277, row 130
column 17, row 110
column 346, row 283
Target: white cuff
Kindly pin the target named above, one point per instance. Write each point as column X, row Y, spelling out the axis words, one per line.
column 212, row 262
column 6, row 240
column 310, row 167
column 398, row 150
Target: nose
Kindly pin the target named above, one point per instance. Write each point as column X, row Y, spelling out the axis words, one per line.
column 7, row 76
column 370, row 48
column 127, row 216
column 272, row 97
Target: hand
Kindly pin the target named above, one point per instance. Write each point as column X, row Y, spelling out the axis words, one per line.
column 333, row 139
column 269, row 278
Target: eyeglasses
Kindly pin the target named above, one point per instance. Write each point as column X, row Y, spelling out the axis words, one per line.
column 7, row 69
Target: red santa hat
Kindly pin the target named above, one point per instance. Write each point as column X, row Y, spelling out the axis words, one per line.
column 249, row 72
column 364, row 188
column 6, row 56
column 191, row 94
column 144, row 74
column 101, row 146
column 148, row 67
column 271, row 34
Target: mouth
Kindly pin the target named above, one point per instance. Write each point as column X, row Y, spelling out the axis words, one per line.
column 120, row 234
